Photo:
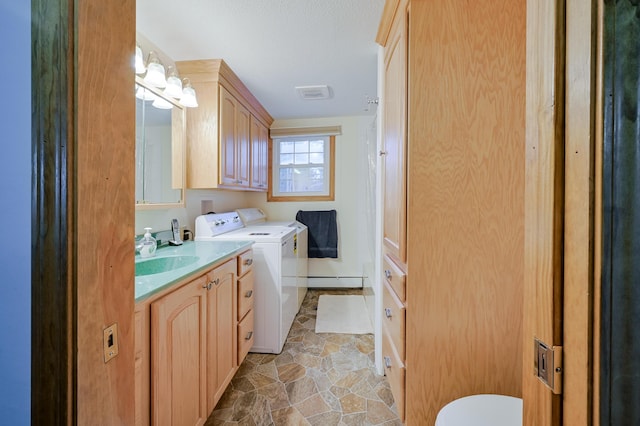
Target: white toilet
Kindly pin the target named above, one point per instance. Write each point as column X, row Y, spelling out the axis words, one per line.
column 482, row 410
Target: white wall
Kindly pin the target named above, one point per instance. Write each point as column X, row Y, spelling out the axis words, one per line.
column 15, row 189
column 160, row 219
column 349, row 188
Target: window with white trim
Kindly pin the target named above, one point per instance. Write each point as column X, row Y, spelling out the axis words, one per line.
column 302, row 168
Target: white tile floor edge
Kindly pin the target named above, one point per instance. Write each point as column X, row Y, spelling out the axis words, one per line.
column 345, row 314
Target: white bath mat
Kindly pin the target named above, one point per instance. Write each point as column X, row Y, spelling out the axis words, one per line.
column 342, row 314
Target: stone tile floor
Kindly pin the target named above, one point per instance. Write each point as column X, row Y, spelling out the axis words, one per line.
column 318, row 379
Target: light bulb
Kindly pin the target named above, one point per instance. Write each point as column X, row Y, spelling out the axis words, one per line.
column 188, row 98
column 140, row 68
column 155, row 72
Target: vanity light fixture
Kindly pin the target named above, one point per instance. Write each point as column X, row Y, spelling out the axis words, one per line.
column 155, row 72
column 155, row 77
column 188, row 98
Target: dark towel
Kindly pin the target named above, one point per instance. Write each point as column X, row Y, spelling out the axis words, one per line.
column 323, row 232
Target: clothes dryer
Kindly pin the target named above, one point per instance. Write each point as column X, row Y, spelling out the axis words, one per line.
column 256, row 217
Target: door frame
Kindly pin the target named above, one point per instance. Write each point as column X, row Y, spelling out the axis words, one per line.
column 83, row 156
column 561, row 247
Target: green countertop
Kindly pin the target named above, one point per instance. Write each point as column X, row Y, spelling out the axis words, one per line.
column 207, row 252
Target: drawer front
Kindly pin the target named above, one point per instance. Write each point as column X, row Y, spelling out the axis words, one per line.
column 395, row 277
column 245, row 336
column 393, row 318
column 395, row 371
column 245, row 294
column 245, row 262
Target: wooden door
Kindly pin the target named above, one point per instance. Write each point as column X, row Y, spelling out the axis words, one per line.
column 178, row 351
column 394, row 140
column 228, row 159
column 222, row 337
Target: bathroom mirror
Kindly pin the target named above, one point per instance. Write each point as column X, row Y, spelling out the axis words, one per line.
column 160, row 149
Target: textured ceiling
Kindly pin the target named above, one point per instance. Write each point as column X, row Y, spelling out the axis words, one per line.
column 275, row 45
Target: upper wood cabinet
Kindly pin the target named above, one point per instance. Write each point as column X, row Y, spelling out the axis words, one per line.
column 259, row 155
column 220, row 146
column 234, row 141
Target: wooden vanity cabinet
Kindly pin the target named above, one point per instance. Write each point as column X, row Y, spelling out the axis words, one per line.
column 226, row 133
column 190, row 341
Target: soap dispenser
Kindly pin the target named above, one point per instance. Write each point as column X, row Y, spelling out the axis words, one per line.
column 149, row 244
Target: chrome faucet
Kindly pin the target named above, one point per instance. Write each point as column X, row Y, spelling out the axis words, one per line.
column 175, row 229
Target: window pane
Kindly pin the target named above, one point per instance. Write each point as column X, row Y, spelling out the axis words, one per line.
column 316, row 158
column 316, row 179
column 301, row 158
column 286, row 146
column 302, row 146
column 301, row 180
column 316, row 146
column 286, row 159
column 286, row 181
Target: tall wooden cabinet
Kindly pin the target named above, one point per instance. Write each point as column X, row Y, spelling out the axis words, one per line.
column 221, row 149
column 452, row 158
column 394, row 214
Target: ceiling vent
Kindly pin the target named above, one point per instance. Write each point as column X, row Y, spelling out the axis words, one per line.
column 314, row 92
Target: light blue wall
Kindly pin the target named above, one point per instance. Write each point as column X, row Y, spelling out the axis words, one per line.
column 15, row 215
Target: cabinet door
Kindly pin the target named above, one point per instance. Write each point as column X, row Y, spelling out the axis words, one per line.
column 178, row 363
column 234, row 141
column 394, row 140
column 228, row 111
column 222, row 336
column 259, row 154
column 243, row 145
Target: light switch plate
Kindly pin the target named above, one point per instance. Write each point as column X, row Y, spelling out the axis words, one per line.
column 110, row 342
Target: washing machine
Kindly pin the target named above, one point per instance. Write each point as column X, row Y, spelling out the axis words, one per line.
column 256, row 217
column 275, row 269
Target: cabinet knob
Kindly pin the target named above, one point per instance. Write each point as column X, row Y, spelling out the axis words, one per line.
column 208, row 285
column 387, row 312
column 382, row 153
column 387, row 362
column 387, row 274
column 249, row 334
column 248, row 262
column 248, row 294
